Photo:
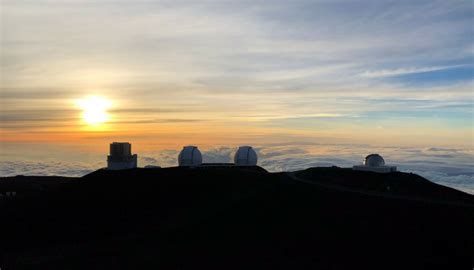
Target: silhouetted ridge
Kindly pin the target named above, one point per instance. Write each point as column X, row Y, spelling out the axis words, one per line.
column 394, row 183
column 235, row 217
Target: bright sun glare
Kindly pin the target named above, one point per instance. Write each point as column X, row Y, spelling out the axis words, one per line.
column 94, row 109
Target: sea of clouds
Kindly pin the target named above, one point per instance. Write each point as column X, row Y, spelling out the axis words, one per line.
column 451, row 167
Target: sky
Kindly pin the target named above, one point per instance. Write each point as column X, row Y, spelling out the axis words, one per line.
column 218, row 74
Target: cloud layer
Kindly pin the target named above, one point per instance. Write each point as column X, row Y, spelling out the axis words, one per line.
column 446, row 166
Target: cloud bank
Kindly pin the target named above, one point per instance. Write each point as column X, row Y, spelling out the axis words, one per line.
column 447, row 166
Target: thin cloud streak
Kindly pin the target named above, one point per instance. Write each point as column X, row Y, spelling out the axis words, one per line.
column 405, row 71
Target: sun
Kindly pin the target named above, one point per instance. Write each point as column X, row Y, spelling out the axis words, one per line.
column 94, row 110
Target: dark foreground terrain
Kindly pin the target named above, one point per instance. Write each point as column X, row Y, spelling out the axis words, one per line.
column 234, row 218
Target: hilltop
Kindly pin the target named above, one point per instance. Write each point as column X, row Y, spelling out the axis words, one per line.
column 236, row 217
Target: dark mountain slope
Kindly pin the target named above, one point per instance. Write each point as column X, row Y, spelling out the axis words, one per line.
column 408, row 185
column 231, row 217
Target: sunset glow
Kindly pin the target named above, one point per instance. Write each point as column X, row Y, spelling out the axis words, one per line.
column 344, row 75
column 94, row 110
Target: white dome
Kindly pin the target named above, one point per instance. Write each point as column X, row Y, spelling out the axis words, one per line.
column 374, row 160
column 190, row 156
column 245, row 156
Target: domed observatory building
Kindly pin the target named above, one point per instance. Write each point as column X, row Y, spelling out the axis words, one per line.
column 375, row 163
column 190, row 156
column 121, row 157
column 245, row 156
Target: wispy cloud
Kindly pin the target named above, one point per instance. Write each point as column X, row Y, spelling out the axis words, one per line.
column 404, row 71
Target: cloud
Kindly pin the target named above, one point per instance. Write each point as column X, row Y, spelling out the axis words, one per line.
column 147, row 160
column 454, row 171
column 219, row 155
column 50, row 168
column 405, row 71
column 441, row 149
column 271, row 153
column 221, row 46
column 463, row 182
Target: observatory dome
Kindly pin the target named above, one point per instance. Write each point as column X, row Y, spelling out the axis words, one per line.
column 190, row 156
column 245, row 156
column 374, row 160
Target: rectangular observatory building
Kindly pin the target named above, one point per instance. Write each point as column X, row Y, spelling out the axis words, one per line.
column 121, row 157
